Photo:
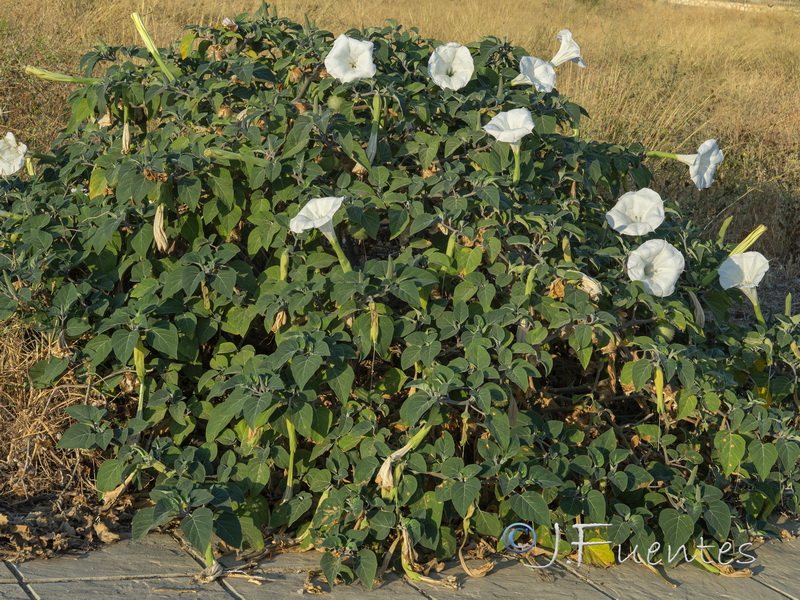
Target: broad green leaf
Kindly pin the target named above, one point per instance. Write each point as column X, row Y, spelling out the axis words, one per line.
column 531, row 507
column 366, row 567
column 731, row 447
column 676, row 527
column 109, row 475
column 197, row 528
column 464, row 493
column 763, row 456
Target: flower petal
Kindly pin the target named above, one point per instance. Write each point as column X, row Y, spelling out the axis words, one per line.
column 451, row 66
column 510, row 126
column 658, row 265
column 350, row 59
column 637, row 213
column 745, row 270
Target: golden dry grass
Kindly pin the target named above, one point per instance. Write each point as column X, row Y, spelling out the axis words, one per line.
column 664, row 75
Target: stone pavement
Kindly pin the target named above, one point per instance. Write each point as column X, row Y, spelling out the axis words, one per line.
column 159, row 568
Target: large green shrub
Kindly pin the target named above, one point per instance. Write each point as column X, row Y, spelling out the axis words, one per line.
column 272, row 385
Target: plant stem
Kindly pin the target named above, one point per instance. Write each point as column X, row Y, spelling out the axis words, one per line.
column 654, row 154
column 337, row 247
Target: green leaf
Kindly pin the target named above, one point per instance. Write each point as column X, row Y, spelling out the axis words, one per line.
column 487, row 523
column 298, row 137
column 163, row 337
column 303, row 368
column 531, row 507
column 340, row 377
column 46, row 372
column 197, row 528
column 142, row 523
column 228, row 528
column 331, row 567
column 731, row 449
column 763, row 456
column 109, row 475
column 79, row 435
column 637, row 373
column 366, row 567
column 676, row 527
column 398, row 221
column 123, row 342
column 464, row 493
column 717, row 516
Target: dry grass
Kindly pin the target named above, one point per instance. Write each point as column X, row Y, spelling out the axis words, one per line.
column 31, row 423
column 664, row 75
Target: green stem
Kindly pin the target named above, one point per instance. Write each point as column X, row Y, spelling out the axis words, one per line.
column 151, row 47
column 759, row 315
column 752, row 295
column 61, row 78
column 654, row 154
column 337, row 247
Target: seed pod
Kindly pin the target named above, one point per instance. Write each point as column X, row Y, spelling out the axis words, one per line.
column 224, row 112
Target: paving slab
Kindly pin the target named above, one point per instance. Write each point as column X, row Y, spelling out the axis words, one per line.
column 9, row 591
column 169, row 588
column 157, row 555
column 288, row 585
column 287, row 573
column 511, row 580
column 777, row 566
column 630, row 581
column 6, row 575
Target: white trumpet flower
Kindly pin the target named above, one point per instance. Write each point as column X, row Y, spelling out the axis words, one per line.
column 744, row 271
column 657, row 264
column 451, row 66
column 536, row 72
column 12, row 155
column 350, row 59
column 637, row 213
column 510, row 126
column 703, row 165
column 569, row 50
column 317, row 214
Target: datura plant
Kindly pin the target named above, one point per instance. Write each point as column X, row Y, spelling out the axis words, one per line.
column 388, row 356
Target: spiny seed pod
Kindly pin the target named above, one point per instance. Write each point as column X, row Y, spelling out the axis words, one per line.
column 224, row 112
